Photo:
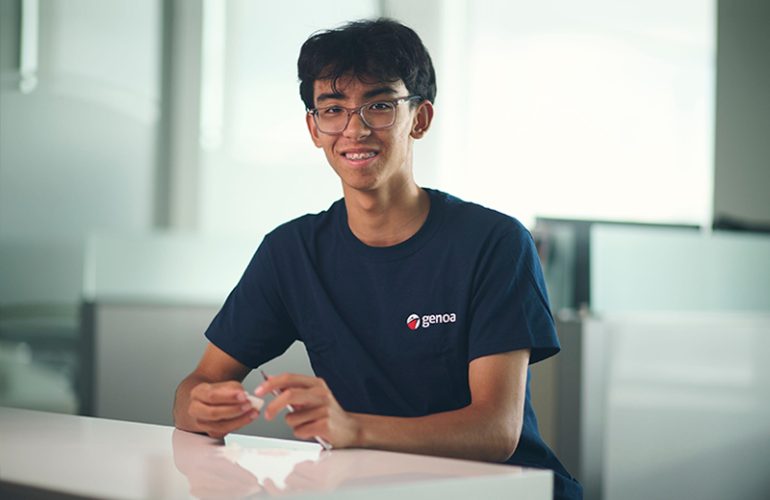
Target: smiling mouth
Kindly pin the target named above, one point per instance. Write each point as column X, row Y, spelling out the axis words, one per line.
column 360, row 156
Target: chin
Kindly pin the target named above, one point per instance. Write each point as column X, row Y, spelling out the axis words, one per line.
column 360, row 182
column 362, row 187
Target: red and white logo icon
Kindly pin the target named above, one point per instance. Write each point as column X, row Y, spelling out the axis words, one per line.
column 413, row 322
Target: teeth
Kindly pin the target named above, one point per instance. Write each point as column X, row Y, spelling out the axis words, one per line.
column 359, row 156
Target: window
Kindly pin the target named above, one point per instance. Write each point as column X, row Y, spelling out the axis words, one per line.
column 266, row 170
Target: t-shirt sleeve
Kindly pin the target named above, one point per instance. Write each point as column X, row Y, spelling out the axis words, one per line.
column 509, row 305
column 253, row 325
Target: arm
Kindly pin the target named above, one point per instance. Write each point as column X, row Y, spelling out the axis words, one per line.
column 211, row 399
column 487, row 429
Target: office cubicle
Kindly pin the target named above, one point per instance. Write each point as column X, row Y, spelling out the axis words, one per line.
column 660, row 391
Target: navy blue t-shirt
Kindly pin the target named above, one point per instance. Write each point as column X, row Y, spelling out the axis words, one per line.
column 392, row 329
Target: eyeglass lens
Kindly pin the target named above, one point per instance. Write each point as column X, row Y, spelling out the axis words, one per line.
column 334, row 119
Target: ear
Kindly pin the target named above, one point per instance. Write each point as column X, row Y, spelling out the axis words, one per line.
column 313, row 129
column 422, row 119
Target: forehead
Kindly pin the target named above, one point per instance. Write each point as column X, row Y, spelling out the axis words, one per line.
column 352, row 87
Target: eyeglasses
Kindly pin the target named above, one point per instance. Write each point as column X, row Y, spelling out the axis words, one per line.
column 377, row 115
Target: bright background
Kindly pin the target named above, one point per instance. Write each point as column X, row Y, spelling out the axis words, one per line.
column 146, row 147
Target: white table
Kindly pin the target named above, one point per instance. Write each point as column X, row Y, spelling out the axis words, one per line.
column 46, row 454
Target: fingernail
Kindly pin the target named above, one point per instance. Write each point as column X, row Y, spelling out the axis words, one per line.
column 254, row 414
column 241, row 396
column 260, row 391
column 246, row 407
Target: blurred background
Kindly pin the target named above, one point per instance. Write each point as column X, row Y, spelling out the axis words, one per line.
column 146, row 147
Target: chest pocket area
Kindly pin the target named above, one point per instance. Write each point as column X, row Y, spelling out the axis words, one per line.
column 429, row 368
column 419, row 348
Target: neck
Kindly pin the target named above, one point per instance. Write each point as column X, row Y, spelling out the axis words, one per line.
column 382, row 218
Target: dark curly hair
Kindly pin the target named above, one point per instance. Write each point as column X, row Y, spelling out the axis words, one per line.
column 381, row 50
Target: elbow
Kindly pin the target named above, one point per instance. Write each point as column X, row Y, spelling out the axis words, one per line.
column 506, row 446
column 501, row 436
column 505, row 441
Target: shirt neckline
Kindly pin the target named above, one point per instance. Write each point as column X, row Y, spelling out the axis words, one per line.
column 400, row 250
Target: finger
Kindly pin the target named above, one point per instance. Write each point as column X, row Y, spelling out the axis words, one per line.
column 303, row 417
column 219, row 393
column 200, row 410
column 221, row 428
column 296, row 398
column 312, row 429
column 285, row 381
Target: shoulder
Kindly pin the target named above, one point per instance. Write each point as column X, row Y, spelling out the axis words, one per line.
column 478, row 221
column 303, row 228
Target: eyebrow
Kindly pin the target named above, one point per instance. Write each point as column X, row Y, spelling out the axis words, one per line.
column 367, row 95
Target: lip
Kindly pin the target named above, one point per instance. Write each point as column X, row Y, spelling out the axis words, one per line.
column 359, row 162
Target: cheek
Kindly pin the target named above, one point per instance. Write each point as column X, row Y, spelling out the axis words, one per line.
column 405, row 127
column 402, row 134
column 331, row 157
column 400, row 142
column 327, row 146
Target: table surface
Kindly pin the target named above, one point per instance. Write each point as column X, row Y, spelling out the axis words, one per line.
column 83, row 456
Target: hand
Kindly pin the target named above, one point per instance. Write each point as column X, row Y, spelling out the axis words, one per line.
column 316, row 411
column 220, row 408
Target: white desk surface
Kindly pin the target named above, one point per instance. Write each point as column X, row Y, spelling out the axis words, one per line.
column 42, row 453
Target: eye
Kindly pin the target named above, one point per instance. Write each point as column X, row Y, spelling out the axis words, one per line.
column 381, row 106
column 331, row 110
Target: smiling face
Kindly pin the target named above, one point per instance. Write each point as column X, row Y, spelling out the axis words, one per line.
column 366, row 159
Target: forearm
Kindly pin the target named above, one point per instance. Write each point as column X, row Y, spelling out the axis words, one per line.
column 488, row 429
column 476, row 432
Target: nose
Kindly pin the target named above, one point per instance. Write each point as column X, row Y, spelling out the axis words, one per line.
column 356, row 128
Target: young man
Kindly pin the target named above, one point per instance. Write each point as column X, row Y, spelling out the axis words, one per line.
column 420, row 312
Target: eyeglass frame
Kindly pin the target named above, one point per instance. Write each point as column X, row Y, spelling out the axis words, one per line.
column 360, row 112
